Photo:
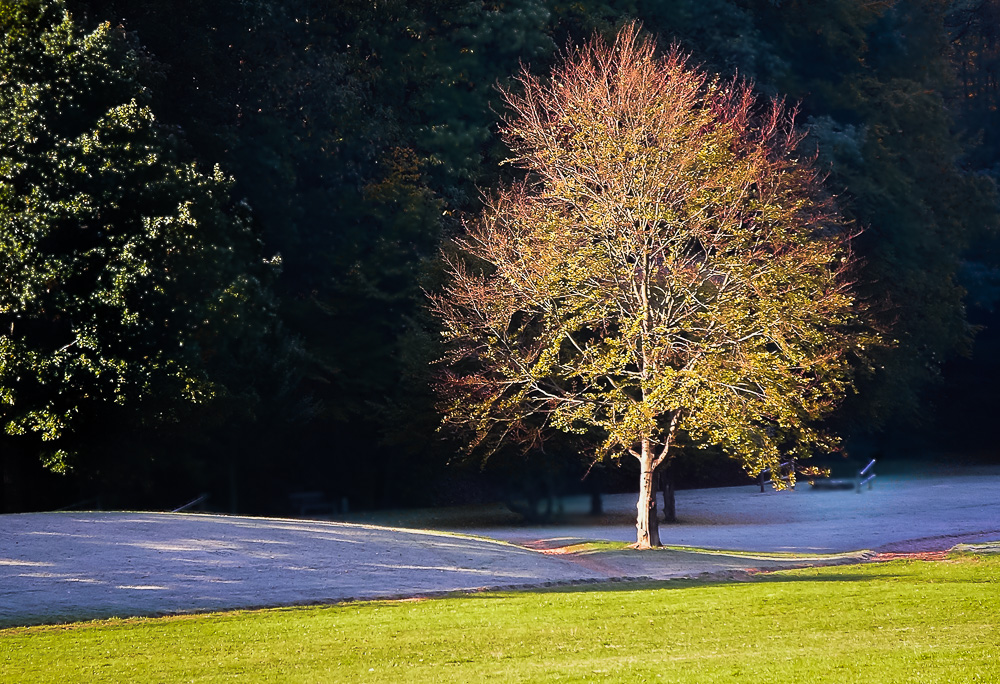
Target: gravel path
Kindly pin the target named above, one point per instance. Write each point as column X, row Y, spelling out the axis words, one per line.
column 57, row 567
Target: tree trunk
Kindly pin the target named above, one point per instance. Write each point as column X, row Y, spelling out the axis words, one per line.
column 233, row 488
column 647, row 526
column 11, row 500
column 596, row 504
column 669, row 504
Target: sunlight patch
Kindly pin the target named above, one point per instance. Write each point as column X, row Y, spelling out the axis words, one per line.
column 24, row 563
column 142, row 587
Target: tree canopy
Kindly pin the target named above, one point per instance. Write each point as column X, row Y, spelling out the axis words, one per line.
column 126, row 274
column 671, row 265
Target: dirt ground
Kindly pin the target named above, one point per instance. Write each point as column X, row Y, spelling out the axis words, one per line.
column 57, row 567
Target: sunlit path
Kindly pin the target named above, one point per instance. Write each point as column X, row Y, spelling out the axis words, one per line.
column 62, row 566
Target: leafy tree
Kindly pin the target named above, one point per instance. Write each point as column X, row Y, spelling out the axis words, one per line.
column 871, row 78
column 356, row 130
column 670, row 269
column 974, row 28
column 127, row 280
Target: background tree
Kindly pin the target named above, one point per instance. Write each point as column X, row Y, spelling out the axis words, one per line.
column 872, row 77
column 359, row 131
column 128, row 282
column 356, row 131
column 669, row 268
column 974, row 30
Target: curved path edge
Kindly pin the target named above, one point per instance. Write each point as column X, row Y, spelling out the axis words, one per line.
column 59, row 567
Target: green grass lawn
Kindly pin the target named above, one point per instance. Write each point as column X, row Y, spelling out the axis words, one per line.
column 903, row 621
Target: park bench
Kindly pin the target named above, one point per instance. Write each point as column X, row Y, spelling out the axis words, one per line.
column 864, row 476
column 767, row 476
column 817, row 478
column 311, row 503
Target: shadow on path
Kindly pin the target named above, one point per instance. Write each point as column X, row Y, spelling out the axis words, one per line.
column 57, row 567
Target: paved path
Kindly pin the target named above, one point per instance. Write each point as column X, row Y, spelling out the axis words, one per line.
column 55, row 566
column 65, row 566
column 928, row 512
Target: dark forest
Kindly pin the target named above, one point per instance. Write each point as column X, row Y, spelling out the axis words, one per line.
column 219, row 223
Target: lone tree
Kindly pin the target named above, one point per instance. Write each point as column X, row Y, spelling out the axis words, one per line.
column 669, row 268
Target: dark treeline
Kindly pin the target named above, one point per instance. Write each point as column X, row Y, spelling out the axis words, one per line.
column 352, row 137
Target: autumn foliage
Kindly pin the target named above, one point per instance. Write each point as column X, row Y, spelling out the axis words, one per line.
column 669, row 268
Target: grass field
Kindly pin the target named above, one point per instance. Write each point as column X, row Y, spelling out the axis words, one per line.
column 901, row 621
